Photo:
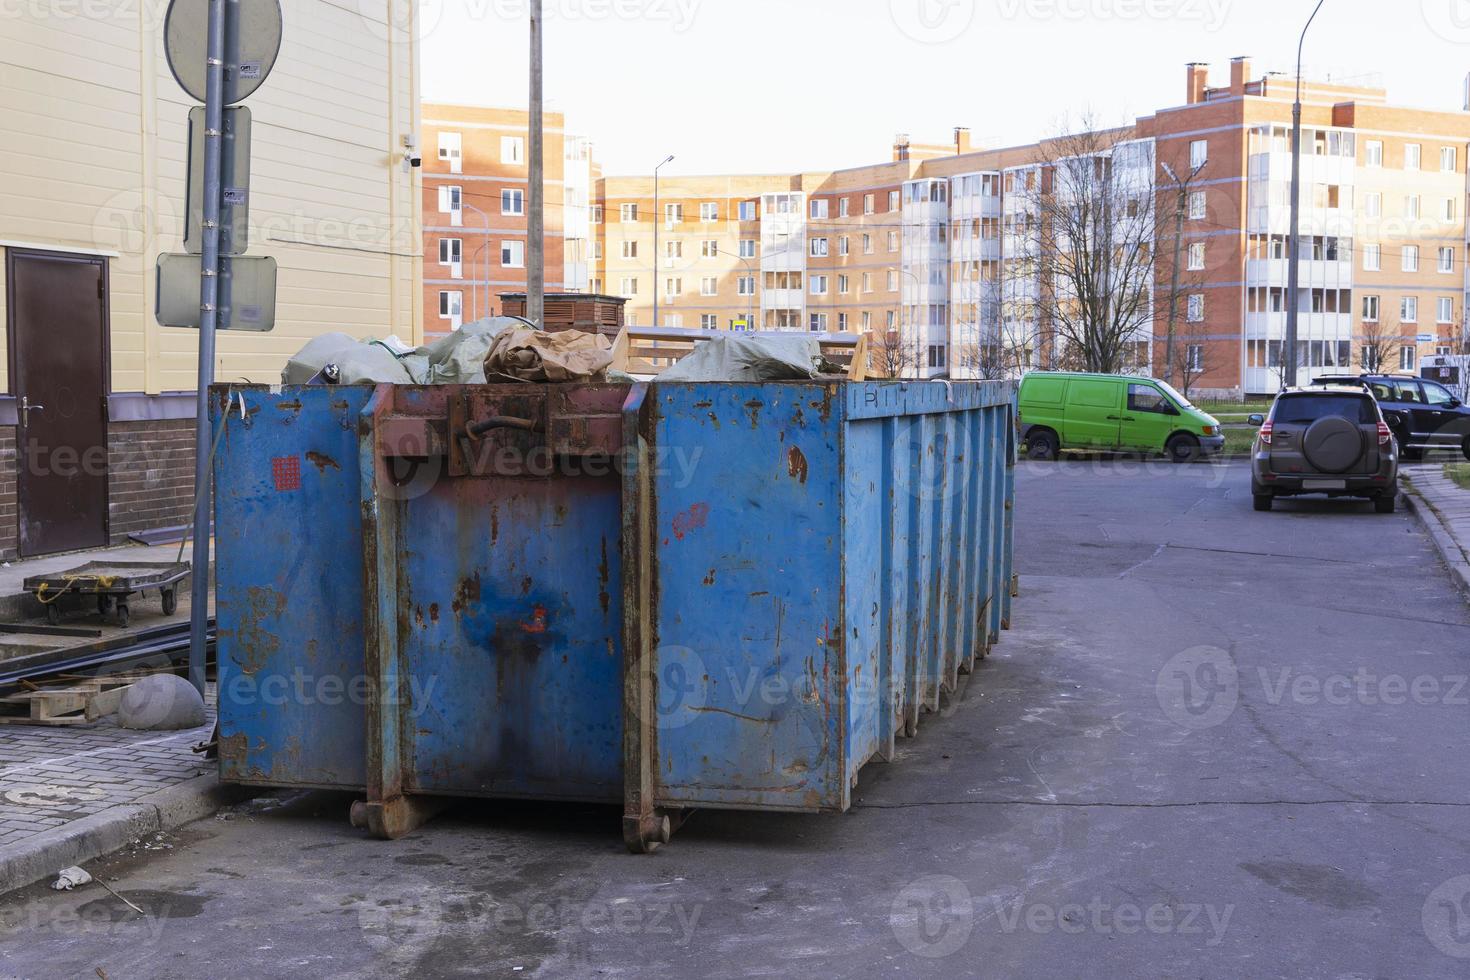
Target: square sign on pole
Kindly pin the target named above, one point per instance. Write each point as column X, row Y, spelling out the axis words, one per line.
column 234, row 208
column 246, row 292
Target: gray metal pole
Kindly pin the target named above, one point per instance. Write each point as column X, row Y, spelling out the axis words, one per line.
column 656, row 220
column 536, row 226
column 214, row 115
column 1293, row 274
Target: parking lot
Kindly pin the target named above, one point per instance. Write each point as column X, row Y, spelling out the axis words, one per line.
column 1216, row 743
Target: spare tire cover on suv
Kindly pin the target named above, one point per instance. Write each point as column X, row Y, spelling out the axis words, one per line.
column 1333, row 444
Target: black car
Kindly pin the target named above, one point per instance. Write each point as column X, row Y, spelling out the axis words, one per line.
column 1422, row 414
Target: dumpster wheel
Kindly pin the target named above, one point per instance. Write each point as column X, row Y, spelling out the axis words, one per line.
column 646, row 833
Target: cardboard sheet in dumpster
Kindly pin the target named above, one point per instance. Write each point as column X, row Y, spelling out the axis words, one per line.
column 524, row 354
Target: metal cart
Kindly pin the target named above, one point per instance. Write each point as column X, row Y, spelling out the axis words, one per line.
column 112, row 582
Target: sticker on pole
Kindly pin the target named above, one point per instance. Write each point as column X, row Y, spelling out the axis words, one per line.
column 252, row 41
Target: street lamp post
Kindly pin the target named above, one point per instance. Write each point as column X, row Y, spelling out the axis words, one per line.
column 475, row 286
column 656, row 220
column 750, row 300
column 1293, row 275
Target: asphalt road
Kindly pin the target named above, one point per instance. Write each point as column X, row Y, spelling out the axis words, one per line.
column 1217, row 743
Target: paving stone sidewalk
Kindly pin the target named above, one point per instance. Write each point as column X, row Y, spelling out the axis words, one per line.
column 50, row 777
column 1445, row 509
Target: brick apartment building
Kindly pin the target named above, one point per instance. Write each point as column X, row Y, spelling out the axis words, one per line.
column 475, row 197
column 929, row 244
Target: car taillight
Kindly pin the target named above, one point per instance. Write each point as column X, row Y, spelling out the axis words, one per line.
column 1385, row 434
column 1266, row 433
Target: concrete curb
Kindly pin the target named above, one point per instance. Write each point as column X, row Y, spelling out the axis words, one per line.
column 1445, row 543
column 43, row 855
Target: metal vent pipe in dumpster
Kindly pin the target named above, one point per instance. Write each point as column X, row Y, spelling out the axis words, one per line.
column 670, row 596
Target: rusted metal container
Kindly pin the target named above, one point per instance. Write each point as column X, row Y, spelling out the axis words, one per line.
column 669, row 596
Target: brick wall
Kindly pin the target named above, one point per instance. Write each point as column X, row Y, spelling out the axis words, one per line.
column 151, row 475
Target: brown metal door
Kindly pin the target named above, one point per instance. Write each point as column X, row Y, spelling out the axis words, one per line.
column 57, row 307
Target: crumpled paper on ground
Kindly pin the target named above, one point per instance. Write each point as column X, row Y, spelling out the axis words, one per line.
column 69, row 878
column 522, row 354
column 741, row 357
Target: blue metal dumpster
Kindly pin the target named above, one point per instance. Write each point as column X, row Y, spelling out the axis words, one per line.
column 672, row 596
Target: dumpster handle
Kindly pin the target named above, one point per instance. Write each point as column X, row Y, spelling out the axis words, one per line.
column 478, row 429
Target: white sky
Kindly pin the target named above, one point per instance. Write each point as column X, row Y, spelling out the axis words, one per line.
column 786, row 85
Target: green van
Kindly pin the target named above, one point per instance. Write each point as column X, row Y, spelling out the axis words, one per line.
column 1112, row 412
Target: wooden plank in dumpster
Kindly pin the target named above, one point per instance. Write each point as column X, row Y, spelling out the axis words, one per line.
column 247, row 292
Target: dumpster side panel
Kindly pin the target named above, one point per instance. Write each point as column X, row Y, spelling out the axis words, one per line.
column 866, row 533
column 747, row 647
column 288, row 568
column 512, row 641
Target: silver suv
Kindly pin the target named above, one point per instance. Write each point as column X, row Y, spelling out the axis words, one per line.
column 1331, row 440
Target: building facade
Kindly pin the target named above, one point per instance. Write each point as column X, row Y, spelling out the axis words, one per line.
column 97, row 423
column 938, row 246
column 476, row 179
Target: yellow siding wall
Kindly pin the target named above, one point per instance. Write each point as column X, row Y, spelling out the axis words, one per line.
column 92, row 158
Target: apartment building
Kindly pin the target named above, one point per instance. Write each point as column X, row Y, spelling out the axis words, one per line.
column 938, row 243
column 475, row 190
column 97, row 419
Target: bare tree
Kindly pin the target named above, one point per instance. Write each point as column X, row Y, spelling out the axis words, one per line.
column 888, row 355
column 1178, row 284
column 984, row 362
column 1093, row 231
column 1376, row 345
column 1191, row 357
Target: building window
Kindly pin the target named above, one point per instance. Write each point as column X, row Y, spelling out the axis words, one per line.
column 819, row 322
column 673, row 250
column 745, row 286
column 1373, row 204
column 628, row 213
column 1199, row 153
column 867, row 282
column 451, row 203
column 747, row 210
column 630, row 250
column 936, row 355
column 1411, row 258
column 512, row 149
column 1447, row 258
column 512, row 202
column 892, row 281
column 1373, row 153
column 673, row 214
column 450, row 250
column 1372, row 258
column 449, row 152
column 709, row 248
column 513, row 254
column 867, row 244
column 597, row 214
column 597, row 251
column 893, row 200
column 1194, row 357
column 843, row 284
column 867, row 321
column 1197, row 256
column 1197, row 207
column 891, row 320
column 819, row 285
column 1446, row 313
column 869, row 204
column 842, row 243
column 1196, row 310
column 1370, row 309
column 1406, row 357
column 709, row 211
column 819, row 208
column 1409, row 309
column 1411, row 206
column 1448, row 212
column 674, row 286
column 893, row 241
column 842, row 323
column 630, row 286
column 1447, row 161
column 747, row 248
column 1413, row 155
column 819, row 248
column 451, row 306
column 709, row 286
column 843, row 204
